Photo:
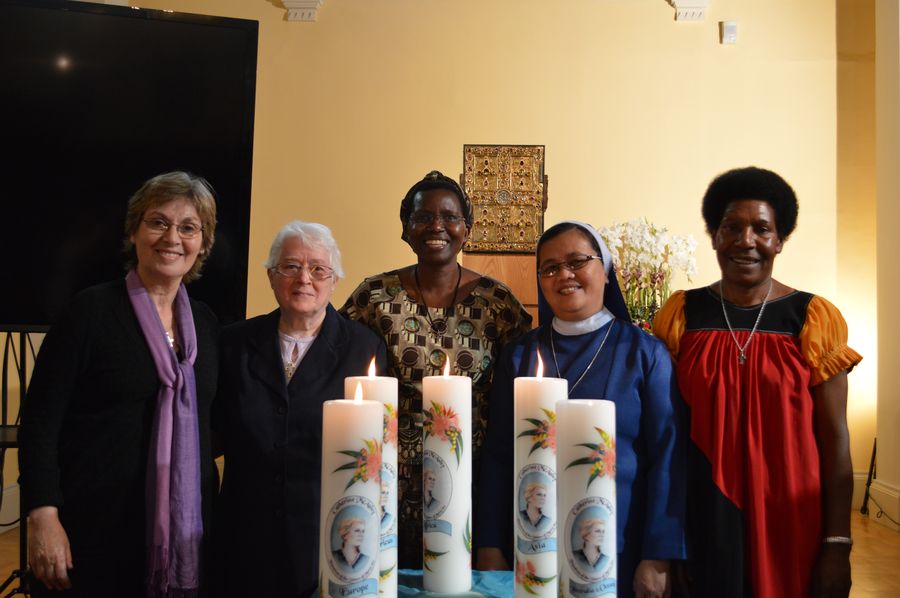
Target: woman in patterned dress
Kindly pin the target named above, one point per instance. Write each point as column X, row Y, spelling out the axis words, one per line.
column 763, row 368
column 428, row 313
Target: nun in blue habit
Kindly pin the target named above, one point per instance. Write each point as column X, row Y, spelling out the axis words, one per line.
column 586, row 337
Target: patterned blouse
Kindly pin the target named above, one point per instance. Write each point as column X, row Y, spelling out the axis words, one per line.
column 419, row 342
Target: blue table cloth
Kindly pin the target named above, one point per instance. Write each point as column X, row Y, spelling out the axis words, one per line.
column 489, row 584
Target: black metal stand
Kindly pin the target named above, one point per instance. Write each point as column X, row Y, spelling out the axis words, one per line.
column 9, row 437
column 864, row 509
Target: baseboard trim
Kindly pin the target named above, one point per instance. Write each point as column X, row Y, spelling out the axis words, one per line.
column 888, row 498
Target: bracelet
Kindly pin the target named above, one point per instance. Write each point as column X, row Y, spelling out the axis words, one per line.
column 837, row 540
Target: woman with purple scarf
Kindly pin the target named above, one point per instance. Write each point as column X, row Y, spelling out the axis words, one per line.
column 115, row 457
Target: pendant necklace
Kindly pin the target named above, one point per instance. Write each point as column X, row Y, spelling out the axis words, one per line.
column 438, row 327
column 742, row 356
column 593, row 359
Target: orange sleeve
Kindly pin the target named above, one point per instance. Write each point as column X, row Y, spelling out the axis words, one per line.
column 823, row 341
column 669, row 322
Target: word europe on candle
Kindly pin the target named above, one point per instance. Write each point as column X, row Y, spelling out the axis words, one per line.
column 351, row 498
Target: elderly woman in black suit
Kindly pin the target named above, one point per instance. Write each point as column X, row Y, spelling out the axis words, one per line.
column 277, row 370
column 115, row 457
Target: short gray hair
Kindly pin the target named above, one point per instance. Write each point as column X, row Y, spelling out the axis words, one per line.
column 309, row 233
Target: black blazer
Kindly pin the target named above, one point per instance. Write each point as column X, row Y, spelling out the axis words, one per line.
column 86, row 426
column 272, row 438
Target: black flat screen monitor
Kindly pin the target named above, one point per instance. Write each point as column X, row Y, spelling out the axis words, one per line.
column 95, row 100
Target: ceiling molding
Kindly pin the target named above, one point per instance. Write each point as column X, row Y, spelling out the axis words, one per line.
column 302, row 10
column 690, row 10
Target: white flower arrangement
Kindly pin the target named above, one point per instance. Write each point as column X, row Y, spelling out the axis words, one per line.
column 645, row 257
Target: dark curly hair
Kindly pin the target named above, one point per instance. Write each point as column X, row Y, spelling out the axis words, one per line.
column 434, row 180
column 751, row 183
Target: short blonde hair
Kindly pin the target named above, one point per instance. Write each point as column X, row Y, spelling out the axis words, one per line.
column 588, row 524
column 533, row 487
column 347, row 524
column 162, row 189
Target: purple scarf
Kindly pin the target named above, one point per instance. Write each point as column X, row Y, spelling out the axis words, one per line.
column 174, row 523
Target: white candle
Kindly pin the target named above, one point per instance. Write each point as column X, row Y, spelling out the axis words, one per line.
column 586, row 452
column 351, row 494
column 384, row 390
column 535, row 483
column 447, row 483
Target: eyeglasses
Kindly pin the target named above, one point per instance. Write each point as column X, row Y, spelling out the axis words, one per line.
column 316, row 271
column 186, row 230
column 427, row 219
column 576, row 263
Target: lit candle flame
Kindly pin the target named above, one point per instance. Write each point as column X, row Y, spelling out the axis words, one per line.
column 357, row 396
column 372, row 368
column 540, row 366
column 447, row 369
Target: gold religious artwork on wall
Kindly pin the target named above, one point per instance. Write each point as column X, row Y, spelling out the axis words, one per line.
column 508, row 189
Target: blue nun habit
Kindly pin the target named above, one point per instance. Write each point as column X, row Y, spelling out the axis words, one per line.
column 635, row 371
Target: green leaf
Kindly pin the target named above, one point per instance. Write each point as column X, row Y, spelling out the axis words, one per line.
column 354, row 454
column 593, row 447
column 535, row 447
column 533, row 421
column 581, row 461
column 527, row 433
column 344, row 467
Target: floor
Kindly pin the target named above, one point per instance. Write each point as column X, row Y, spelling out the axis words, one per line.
column 875, row 558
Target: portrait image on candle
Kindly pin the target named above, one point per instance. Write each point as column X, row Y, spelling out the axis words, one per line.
column 351, row 498
column 535, row 521
column 587, row 498
column 447, row 483
column 384, row 390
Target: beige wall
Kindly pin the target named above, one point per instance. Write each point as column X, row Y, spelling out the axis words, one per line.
column 856, row 213
column 887, row 488
column 637, row 112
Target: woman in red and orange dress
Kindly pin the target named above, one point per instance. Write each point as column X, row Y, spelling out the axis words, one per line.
column 763, row 368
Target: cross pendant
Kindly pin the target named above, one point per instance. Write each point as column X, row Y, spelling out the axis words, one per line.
column 742, row 358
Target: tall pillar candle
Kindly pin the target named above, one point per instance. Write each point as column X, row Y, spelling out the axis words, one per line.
column 586, row 452
column 351, row 495
column 534, row 497
column 447, row 483
column 384, row 390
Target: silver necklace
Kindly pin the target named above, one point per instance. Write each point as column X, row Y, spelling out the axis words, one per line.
column 742, row 357
column 593, row 359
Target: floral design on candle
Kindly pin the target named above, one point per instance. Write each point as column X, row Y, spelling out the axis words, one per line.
column 467, row 535
column 366, row 464
column 390, row 424
column 602, row 458
column 430, row 555
column 383, row 575
column 527, row 577
column 443, row 423
column 543, row 433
